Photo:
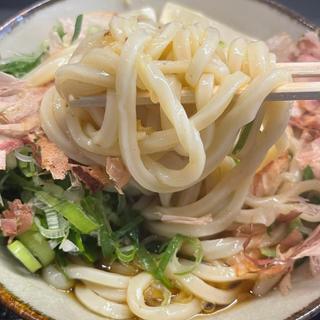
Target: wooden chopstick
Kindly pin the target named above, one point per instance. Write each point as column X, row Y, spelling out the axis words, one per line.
column 301, row 69
column 297, row 69
column 296, row 91
column 289, row 92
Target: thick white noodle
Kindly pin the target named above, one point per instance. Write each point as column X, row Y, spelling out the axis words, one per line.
column 107, row 135
column 218, row 248
column 217, row 272
column 199, row 288
column 108, row 279
column 101, row 306
column 45, row 73
column 136, row 302
column 56, row 131
column 116, row 295
column 237, row 52
column 188, row 136
column 103, row 59
column 160, row 42
column 203, row 56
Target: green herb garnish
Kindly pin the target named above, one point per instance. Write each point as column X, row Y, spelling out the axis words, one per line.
column 243, row 138
column 23, row 64
column 222, row 44
column 157, row 265
column 73, row 212
column 308, row 173
column 77, row 28
column 269, row 252
column 59, row 29
column 297, row 224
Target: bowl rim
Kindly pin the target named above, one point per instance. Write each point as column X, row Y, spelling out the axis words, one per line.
column 25, row 311
column 8, row 25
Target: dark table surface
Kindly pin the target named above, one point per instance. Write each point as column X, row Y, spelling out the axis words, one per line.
column 308, row 8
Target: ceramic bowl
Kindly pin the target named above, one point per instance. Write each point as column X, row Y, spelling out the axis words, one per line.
column 32, row 298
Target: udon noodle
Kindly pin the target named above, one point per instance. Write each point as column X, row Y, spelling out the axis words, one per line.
column 172, row 101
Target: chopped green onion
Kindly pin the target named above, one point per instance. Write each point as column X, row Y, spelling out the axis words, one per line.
column 22, row 154
column 91, row 252
column 75, row 237
column 94, row 205
column 93, row 30
column 59, row 29
column 56, row 233
column 149, row 263
column 11, row 161
column 22, row 65
column 52, row 218
column 222, row 44
column 243, row 137
column 68, row 246
column 22, row 253
column 54, row 243
column 73, row 212
column 298, row 224
column 173, row 247
column 109, row 241
column 197, row 254
column 106, row 243
column 57, row 226
column 308, row 173
column 295, row 224
column 53, row 189
column 126, row 254
column 96, row 208
column 37, row 181
column 128, row 227
column 269, row 252
column 87, row 246
column 122, row 204
column 26, row 162
column 61, row 260
column 74, row 195
column 77, row 28
column 38, row 246
column 28, row 168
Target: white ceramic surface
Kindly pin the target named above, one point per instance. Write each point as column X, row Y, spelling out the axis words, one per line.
column 251, row 17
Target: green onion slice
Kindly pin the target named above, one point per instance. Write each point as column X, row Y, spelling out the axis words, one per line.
column 77, row 28
column 269, row 252
column 126, row 254
column 73, row 212
column 243, row 137
column 59, row 29
column 21, row 65
column 38, row 246
column 308, row 173
column 58, row 233
column 158, row 268
column 20, row 252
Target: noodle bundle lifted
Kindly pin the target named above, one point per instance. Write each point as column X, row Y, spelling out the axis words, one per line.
column 154, row 179
column 168, row 147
